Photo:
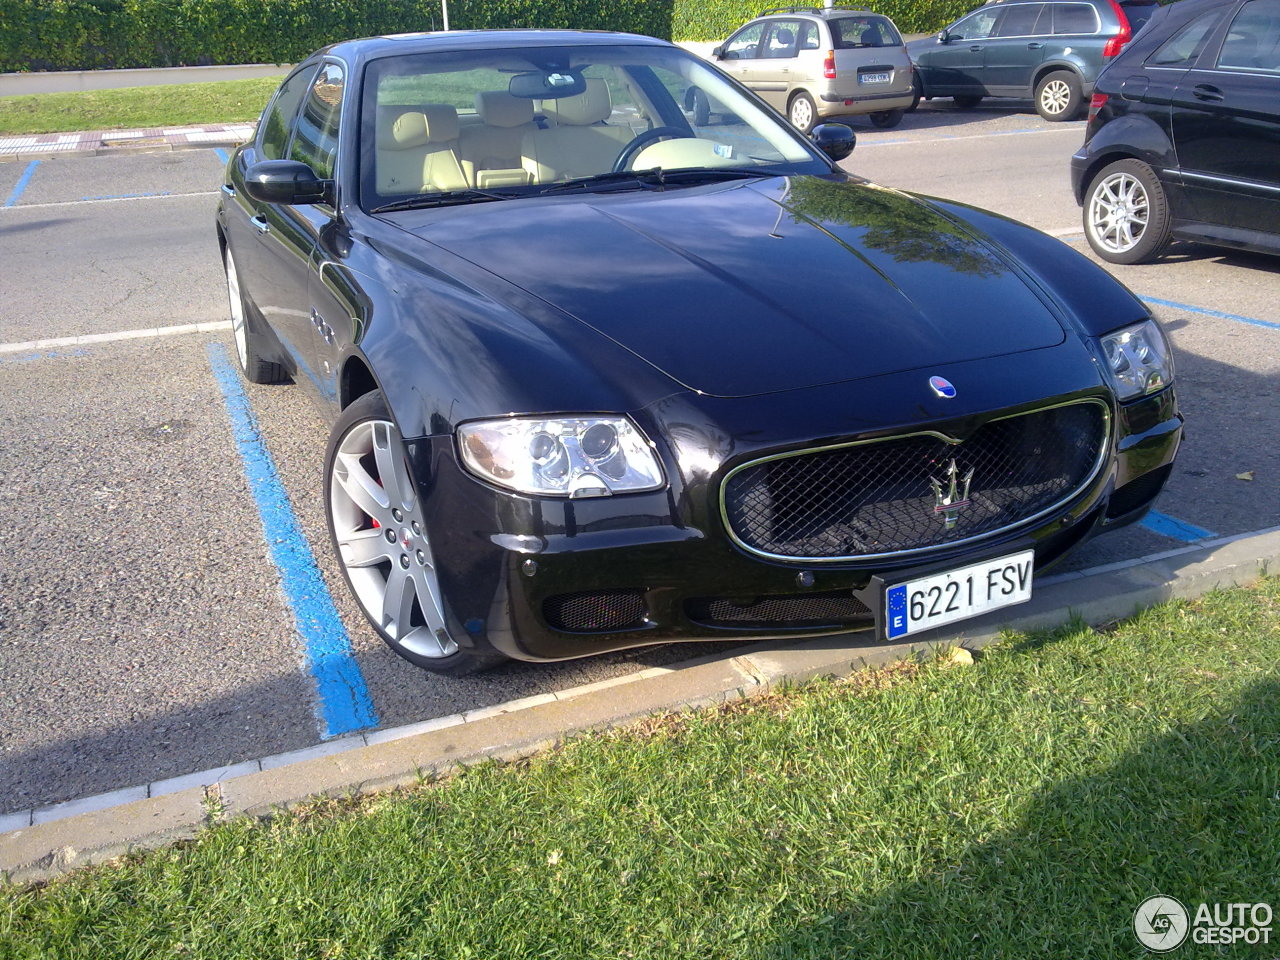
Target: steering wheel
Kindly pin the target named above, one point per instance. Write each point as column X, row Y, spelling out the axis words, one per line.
column 643, row 140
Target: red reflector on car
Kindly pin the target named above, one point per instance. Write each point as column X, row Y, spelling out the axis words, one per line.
column 1116, row 43
column 829, row 65
column 848, row 103
column 1096, row 103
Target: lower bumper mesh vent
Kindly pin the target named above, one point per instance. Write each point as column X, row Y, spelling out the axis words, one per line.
column 595, row 611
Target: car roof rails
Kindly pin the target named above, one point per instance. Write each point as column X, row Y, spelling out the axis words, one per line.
column 817, row 10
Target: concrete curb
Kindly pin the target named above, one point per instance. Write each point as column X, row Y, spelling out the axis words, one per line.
column 43, row 146
column 76, row 81
column 43, row 843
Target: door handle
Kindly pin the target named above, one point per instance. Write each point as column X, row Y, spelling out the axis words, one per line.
column 1034, row 46
column 976, row 47
column 229, row 190
column 260, row 222
column 1207, row 91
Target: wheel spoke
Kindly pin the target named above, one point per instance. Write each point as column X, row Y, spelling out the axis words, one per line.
column 387, row 451
column 363, row 490
column 397, row 602
column 363, row 548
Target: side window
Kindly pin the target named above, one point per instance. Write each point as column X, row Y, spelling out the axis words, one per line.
column 976, row 26
column 743, row 44
column 1019, row 20
column 277, row 122
column 316, row 141
column 1253, row 39
column 1182, row 49
column 809, row 36
column 1074, row 18
column 783, row 40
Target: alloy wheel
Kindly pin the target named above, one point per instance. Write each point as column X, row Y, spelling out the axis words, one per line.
column 382, row 539
column 238, row 330
column 801, row 113
column 1055, row 97
column 1118, row 212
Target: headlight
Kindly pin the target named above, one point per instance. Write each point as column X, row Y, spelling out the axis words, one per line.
column 1138, row 360
column 572, row 457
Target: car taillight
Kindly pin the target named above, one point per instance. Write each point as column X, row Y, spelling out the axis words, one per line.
column 829, row 65
column 1116, row 43
column 1096, row 103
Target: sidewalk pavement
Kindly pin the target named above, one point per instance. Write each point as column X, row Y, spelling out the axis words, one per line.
column 37, row 146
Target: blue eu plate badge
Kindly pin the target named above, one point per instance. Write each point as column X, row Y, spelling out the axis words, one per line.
column 895, row 611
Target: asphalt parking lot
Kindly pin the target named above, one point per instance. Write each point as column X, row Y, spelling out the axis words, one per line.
column 152, row 624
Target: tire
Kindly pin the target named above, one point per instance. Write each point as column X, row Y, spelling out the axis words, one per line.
column 245, row 332
column 917, row 94
column 887, row 119
column 1126, row 213
column 802, row 112
column 700, row 106
column 1058, row 96
column 382, row 547
column 967, row 103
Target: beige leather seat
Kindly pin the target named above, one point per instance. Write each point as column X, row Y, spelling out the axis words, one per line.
column 417, row 151
column 581, row 143
column 490, row 151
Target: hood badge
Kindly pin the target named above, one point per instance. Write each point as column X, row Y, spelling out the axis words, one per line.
column 942, row 387
column 955, row 499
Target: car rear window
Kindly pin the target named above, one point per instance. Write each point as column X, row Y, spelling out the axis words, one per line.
column 1138, row 13
column 1074, row 18
column 852, row 32
column 1184, row 47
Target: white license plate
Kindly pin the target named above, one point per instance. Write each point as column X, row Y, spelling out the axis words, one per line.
column 957, row 594
column 873, row 78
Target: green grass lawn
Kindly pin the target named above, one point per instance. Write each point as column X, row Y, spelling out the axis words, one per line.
column 1020, row 807
column 223, row 101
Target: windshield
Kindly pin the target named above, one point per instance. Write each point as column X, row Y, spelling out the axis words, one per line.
column 478, row 125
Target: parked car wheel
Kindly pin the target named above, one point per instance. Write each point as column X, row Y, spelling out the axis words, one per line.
column 1059, row 96
column 379, row 536
column 802, row 112
column 248, row 339
column 967, row 103
column 699, row 106
column 1126, row 215
column 917, row 94
column 887, row 119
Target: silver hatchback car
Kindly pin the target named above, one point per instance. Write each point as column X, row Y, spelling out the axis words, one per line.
column 815, row 63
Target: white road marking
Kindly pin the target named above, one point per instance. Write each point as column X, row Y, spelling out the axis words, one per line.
column 36, row 346
column 1064, row 231
column 71, row 203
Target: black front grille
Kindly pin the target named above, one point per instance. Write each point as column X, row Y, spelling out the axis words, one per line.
column 802, row 610
column 1137, row 493
column 877, row 498
column 595, row 611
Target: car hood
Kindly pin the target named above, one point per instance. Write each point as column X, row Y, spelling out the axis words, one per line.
column 758, row 286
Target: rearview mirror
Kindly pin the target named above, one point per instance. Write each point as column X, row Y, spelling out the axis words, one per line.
column 286, row 181
column 834, row 139
column 547, row 85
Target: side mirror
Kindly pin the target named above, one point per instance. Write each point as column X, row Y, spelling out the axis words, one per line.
column 836, row 140
column 943, row 36
column 286, row 181
column 717, row 53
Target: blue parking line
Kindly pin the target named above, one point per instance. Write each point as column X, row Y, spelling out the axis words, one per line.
column 21, row 185
column 1252, row 321
column 345, row 704
column 127, row 196
column 221, row 155
column 1168, row 526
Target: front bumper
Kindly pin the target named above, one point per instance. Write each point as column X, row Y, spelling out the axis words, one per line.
column 510, row 566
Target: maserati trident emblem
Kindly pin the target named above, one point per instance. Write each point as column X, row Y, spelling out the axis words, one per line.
column 955, row 499
column 942, row 387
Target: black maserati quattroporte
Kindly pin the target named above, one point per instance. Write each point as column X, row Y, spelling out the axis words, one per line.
column 602, row 376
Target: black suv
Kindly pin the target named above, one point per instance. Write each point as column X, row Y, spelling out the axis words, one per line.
column 1183, row 138
column 1048, row 50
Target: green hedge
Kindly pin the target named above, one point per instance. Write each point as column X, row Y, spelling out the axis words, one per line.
column 98, row 34
column 716, row 19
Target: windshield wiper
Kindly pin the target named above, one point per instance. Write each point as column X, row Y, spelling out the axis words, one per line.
column 442, row 198
column 655, row 177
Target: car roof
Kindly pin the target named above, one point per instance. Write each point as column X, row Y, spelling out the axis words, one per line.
column 372, row 48
column 832, row 13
